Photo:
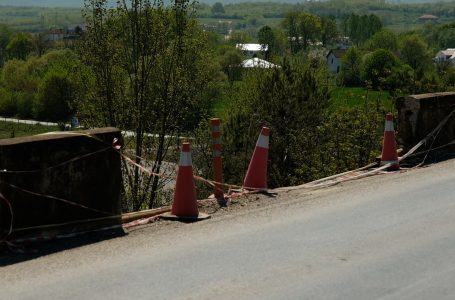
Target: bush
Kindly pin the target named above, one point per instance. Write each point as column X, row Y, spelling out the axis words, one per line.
column 8, row 107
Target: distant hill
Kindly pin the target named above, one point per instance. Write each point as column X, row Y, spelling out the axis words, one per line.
column 45, row 3
column 79, row 3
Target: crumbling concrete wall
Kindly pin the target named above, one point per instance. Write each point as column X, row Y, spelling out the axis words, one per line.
column 418, row 115
column 60, row 178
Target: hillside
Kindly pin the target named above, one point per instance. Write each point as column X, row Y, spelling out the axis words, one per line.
column 79, row 3
column 45, row 3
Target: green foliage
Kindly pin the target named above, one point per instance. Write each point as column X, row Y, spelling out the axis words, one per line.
column 302, row 28
column 414, row 52
column 383, row 39
column 291, row 101
column 56, row 94
column 36, row 87
column 5, row 35
column 351, row 67
column 351, row 137
column 19, row 46
column 377, row 67
column 239, row 37
column 439, row 36
column 150, row 71
column 266, row 36
column 329, row 30
column 361, row 27
column 8, row 106
column 230, row 62
column 217, row 8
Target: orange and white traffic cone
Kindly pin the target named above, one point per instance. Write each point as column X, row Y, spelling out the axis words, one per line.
column 256, row 176
column 184, row 207
column 389, row 146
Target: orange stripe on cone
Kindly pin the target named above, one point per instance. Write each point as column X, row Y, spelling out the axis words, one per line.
column 389, row 146
column 256, row 176
column 184, row 206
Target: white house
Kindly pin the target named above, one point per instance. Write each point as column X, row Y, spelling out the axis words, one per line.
column 333, row 59
column 256, row 62
column 252, row 49
column 444, row 56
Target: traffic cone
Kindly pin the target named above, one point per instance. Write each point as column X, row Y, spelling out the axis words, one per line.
column 389, row 146
column 256, row 176
column 184, row 206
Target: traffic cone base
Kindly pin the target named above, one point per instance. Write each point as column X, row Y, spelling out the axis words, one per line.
column 199, row 217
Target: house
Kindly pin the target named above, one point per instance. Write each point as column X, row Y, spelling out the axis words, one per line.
column 333, row 59
column 256, row 62
column 446, row 56
column 428, row 18
column 252, row 49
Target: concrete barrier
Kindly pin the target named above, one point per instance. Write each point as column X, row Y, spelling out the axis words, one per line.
column 60, row 178
column 418, row 115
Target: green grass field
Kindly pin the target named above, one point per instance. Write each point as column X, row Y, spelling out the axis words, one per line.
column 10, row 129
column 357, row 96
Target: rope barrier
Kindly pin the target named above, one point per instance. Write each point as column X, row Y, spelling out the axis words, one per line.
column 10, row 229
column 323, row 182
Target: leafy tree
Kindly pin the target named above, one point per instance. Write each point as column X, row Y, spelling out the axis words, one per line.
column 351, row 67
column 149, row 71
column 439, row 36
column 217, row 8
column 266, row 37
column 378, row 66
column 19, row 46
column 291, row 101
column 383, row 39
column 414, row 52
column 239, row 37
column 55, row 98
column 5, row 35
column 361, row 27
column 302, row 28
column 329, row 30
column 230, row 62
column 33, row 87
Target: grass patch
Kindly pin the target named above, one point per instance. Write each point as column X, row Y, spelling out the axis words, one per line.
column 357, row 96
column 13, row 129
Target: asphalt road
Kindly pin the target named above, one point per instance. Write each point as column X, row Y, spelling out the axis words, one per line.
column 385, row 237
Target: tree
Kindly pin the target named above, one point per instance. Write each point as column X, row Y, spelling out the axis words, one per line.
column 414, row 52
column 302, row 28
column 291, row 101
column 149, row 71
column 239, row 37
column 361, row 27
column 38, row 85
column 383, row 39
column 55, row 98
column 329, row 30
column 217, row 8
column 230, row 62
column 378, row 66
column 19, row 46
column 5, row 35
column 266, row 38
column 351, row 67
